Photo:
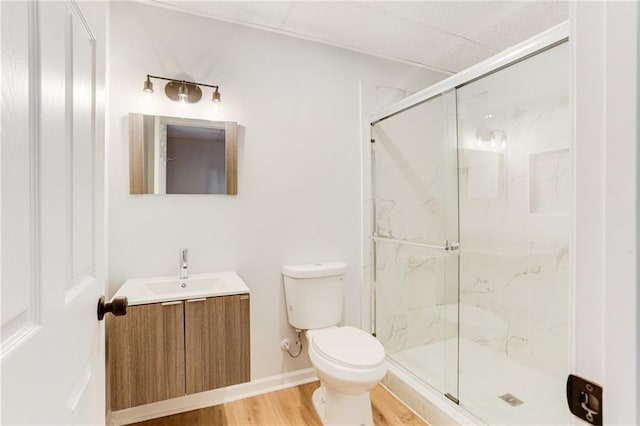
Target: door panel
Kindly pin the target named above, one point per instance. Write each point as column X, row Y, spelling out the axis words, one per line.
column 52, row 196
column 80, row 67
column 415, row 190
column 20, row 185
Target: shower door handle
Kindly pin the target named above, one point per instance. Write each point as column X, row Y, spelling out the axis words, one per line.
column 451, row 245
column 448, row 245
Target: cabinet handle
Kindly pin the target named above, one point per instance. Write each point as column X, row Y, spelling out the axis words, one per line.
column 197, row 300
column 177, row 302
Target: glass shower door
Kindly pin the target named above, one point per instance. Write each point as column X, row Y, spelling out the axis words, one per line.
column 415, row 235
column 515, row 223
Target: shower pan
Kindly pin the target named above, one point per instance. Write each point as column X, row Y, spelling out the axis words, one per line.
column 471, row 190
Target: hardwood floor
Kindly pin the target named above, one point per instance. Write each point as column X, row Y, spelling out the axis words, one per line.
column 290, row 406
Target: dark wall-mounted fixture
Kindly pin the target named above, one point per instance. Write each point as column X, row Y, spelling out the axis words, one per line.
column 181, row 90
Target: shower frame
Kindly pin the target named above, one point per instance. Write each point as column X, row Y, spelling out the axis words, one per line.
column 538, row 44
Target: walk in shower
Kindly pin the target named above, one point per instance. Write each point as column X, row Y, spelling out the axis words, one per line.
column 471, row 194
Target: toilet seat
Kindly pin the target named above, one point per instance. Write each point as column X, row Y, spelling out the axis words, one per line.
column 348, row 347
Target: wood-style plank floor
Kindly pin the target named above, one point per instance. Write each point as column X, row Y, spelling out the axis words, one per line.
column 290, row 406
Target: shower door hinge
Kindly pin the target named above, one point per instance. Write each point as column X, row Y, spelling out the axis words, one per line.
column 373, row 141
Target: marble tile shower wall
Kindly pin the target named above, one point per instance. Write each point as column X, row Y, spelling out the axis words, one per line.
column 414, row 305
column 514, row 216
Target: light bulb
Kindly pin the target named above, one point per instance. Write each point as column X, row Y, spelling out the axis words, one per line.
column 183, row 93
column 183, row 96
column 182, row 104
column 479, row 141
column 148, row 98
column 494, row 139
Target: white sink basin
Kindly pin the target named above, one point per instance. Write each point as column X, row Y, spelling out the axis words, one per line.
column 173, row 285
column 141, row 291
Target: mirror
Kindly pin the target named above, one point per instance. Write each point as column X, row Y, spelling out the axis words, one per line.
column 171, row 155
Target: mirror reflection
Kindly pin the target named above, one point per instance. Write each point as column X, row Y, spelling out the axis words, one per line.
column 171, row 155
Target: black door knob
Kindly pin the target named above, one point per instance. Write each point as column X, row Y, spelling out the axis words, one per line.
column 117, row 307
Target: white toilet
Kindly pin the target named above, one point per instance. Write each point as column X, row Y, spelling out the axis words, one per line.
column 348, row 361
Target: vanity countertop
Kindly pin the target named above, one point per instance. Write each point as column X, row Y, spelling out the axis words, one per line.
column 142, row 291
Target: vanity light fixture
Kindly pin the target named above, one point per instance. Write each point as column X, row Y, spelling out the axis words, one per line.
column 181, row 90
column 148, row 86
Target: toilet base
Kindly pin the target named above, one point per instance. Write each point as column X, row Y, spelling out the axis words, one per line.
column 336, row 408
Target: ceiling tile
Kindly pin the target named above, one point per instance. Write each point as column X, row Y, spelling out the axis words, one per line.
column 522, row 23
column 454, row 17
column 457, row 55
column 445, row 35
column 258, row 13
column 356, row 26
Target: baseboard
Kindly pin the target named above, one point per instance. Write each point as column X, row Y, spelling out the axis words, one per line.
column 210, row 398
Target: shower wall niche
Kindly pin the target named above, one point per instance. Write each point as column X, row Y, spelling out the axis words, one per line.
column 486, row 165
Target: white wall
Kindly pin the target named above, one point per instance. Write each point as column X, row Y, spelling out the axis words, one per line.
column 300, row 106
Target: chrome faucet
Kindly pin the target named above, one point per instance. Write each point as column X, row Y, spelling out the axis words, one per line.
column 184, row 267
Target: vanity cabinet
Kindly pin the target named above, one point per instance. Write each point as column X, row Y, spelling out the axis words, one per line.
column 217, row 342
column 146, row 354
column 164, row 350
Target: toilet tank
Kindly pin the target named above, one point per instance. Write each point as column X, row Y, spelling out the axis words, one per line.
column 314, row 294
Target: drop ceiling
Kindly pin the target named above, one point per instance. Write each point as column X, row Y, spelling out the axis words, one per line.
column 447, row 36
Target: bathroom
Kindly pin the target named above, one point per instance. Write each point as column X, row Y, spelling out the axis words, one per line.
column 303, row 107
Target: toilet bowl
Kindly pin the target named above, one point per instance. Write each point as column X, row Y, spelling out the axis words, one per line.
column 348, row 361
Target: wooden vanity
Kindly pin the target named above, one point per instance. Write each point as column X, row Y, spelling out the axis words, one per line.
column 170, row 348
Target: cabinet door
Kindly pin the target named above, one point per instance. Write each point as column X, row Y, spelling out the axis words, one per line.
column 146, row 354
column 217, row 340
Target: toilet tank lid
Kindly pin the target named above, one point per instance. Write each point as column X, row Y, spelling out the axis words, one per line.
column 315, row 270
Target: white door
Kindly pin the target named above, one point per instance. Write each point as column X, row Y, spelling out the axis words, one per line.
column 52, row 212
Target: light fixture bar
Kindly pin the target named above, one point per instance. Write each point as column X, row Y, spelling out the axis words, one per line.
column 175, row 80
